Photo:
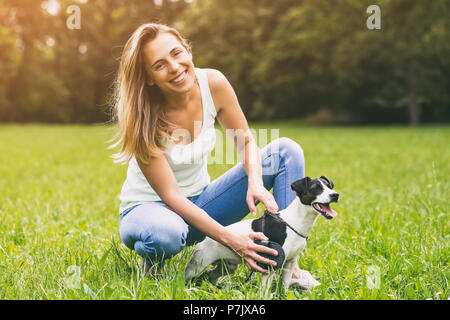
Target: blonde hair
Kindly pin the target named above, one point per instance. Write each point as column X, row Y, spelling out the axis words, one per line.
column 137, row 107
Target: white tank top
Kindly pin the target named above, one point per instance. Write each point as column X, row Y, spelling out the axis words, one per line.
column 188, row 162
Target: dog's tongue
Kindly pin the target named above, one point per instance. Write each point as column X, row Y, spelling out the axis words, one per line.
column 328, row 210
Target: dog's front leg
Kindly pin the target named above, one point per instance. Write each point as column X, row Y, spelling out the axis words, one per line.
column 222, row 268
column 205, row 253
column 288, row 269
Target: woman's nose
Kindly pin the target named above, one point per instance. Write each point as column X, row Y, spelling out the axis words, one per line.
column 173, row 66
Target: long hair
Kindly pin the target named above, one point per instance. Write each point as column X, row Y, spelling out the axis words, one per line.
column 137, row 107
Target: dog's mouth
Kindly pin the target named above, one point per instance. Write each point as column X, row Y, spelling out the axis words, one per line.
column 324, row 209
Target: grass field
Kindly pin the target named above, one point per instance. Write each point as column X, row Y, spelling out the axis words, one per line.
column 59, row 236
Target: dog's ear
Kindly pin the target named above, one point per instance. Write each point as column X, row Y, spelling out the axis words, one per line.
column 328, row 182
column 301, row 186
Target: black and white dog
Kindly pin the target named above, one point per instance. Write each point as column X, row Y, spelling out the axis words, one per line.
column 290, row 229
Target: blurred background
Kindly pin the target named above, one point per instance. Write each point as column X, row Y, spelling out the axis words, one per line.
column 286, row 59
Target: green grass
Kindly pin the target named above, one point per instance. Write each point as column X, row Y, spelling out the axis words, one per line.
column 59, row 218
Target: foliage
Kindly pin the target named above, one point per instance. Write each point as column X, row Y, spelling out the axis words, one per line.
column 285, row 58
column 291, row 58
column 66, row 75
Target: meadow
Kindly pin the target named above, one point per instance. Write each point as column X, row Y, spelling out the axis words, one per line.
column 59, row 235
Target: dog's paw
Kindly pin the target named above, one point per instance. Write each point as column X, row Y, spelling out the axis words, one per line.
column 305, row 282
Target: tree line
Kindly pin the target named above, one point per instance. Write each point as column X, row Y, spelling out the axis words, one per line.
column 285, row 59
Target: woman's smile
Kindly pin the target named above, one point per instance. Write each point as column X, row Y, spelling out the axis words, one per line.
column 170, row 64
column 180, row 79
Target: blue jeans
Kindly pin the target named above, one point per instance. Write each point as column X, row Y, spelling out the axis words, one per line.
column 158, row 233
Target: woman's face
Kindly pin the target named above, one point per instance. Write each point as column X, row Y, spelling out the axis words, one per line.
column 169, row 64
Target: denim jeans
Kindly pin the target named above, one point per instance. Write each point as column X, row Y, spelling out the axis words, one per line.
column 157, row 233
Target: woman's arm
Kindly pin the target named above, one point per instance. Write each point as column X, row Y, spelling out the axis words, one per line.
column 161, row 178
column 232, row 119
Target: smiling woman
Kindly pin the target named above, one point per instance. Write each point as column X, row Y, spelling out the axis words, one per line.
column 142, row 127
column 167, row 199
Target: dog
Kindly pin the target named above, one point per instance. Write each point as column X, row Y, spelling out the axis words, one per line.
column 289, row 229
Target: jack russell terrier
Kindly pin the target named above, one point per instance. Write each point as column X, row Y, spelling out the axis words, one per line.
column 287, row 231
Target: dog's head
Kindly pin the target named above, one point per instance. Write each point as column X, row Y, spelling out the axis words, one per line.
column 318, row 194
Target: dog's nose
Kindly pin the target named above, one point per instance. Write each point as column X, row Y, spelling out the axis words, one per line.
column 334, row 197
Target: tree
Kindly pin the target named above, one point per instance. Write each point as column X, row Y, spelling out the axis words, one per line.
column 285, row 58
column 51, row 73
column 392, row 74
column 290, row 58
column 10, row 58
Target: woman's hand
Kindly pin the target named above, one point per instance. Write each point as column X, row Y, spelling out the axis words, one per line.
column 245, row 247
column 257, row 192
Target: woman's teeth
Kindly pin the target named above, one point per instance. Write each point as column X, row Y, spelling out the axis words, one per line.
column 179, row 78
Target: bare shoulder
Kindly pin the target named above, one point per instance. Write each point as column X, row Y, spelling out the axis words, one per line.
column 220, row 87
column 216, row 79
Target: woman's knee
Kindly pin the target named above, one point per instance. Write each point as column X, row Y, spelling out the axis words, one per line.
column 152, row 235
column 289, row 147
column 282, row 150
column 155, row 246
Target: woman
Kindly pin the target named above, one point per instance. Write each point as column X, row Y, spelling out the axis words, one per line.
column 167, row 200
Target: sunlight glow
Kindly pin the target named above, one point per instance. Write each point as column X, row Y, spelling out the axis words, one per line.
column 50, row 41
column 52, row 6
column 82, row 49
